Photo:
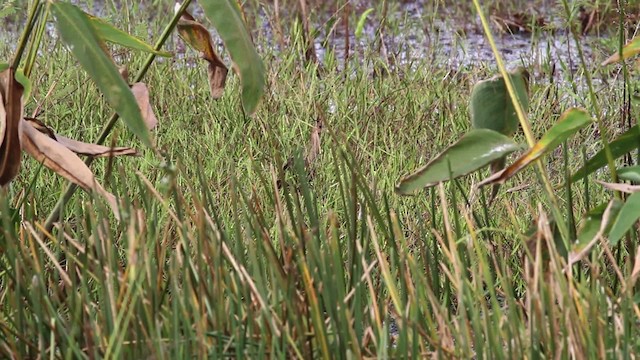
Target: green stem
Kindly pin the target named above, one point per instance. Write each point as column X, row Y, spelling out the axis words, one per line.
column 56, row 213
column 524, row 123
column 26, row 34
column 594, row 100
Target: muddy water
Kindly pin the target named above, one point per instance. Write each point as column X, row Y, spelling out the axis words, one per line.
column 411, row 36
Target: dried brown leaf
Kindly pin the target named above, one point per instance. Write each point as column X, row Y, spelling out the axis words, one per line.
column 625, row 188
column 63, row 161
column 12, row 107
column 141, row 93
column 80, row 147
column 217, row 77
column 199, row 38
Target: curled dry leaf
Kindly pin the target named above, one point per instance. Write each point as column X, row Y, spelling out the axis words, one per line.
column 625, row 188
column 80, row 147
column 11, row 108
column 63, row 161
column 199, row 38
column 141, row 93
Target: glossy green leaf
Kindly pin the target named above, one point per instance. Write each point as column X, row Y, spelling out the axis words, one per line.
column 225, row 16
column 491, row 106
column 110, row 33
column 593, row 221
column 361, row 21
column 76, row 30
column 629, row 214
column 630, row 173
column 631, row 49
column 569, row 123
column 474, row 150
column 625, row 143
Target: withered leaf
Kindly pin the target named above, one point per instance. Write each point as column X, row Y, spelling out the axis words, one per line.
column 199, row 38
column 80, row 147
column 141, row 93
column 12, row 107
column 61, row 160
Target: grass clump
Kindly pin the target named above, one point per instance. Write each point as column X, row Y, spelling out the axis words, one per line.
column 222, row 252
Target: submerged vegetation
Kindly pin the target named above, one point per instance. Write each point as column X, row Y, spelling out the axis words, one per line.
column 261, row 211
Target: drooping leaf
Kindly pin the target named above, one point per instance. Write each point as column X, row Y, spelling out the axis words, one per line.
column 631, row 49
column 226, row 18
column 629, row 214
column 61, row 160
column 569, row 123
column 11, row 109
column 361, row 21
column 625, row 143
column 630, row 173
column 76, row 30
column 625, row 188
column 199, row 38
column 491, row 106
column 593, row 220
column 141, row 94
column 109, row 33
column 80, row 147
column 592, row 225
column 476, row 149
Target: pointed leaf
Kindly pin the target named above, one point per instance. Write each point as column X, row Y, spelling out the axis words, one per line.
column 109, row 33
column 629, row 214
column 225, row 16
column 11, row 109
column 630, row 173
column 592, row 223
column 569, row 123
column 85, row 45
column 80, row 147
column 473, row 151
column 199, row 38
column 141, row 94
column 624, row 144
column 491, row 106
column 361, row 21
column 596, row 224
column 631, row 49
column 625, row 188
column 61, row 160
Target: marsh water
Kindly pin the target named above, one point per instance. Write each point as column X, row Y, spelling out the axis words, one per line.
column 412, row 33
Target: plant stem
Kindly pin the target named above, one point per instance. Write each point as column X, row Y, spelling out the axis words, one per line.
column 524, row 123
column 594, row 100
column 26, row 34
column 56, row 213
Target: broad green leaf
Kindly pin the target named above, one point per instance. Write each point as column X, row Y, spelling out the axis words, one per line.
column 361, row 21
column 625, row 143
column 630, row 173
column 569, row 123
column 109, row 33
column 491, row 106
column 632, row 48
column 629, row 214
column 592, row 222
column 226, row 18
column 76, row 30
column 476, row 149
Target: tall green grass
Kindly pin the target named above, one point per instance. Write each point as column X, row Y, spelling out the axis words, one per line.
column 213, row 259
